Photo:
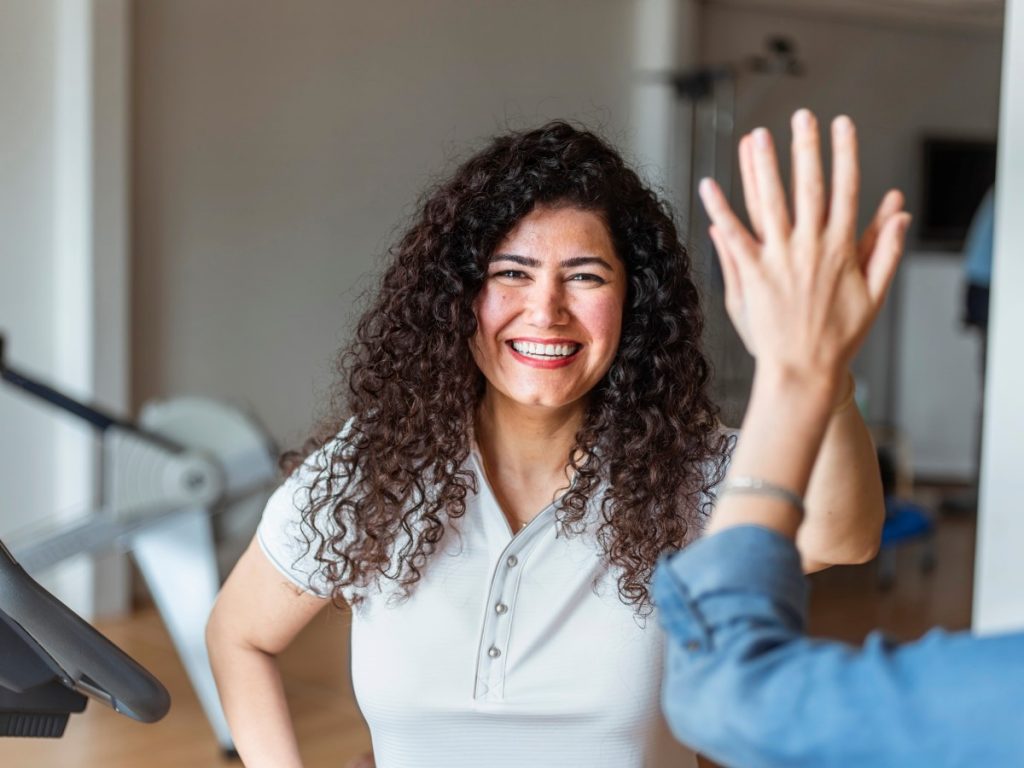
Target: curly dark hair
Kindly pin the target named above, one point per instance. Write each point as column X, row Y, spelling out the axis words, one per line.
column 380, row 499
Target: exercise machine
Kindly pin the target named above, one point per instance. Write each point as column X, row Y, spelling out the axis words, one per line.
column 182, row 489
column 52, row 662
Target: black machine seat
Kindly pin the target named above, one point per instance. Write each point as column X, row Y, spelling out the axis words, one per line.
column 51, row 661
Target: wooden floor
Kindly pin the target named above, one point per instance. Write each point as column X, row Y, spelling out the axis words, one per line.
column 315, row 670
column 846, row 603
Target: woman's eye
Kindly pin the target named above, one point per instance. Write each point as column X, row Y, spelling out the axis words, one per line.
column 510, row 274
column 587, row 277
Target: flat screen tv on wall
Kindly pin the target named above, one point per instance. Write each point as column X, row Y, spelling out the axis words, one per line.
column 956, row 175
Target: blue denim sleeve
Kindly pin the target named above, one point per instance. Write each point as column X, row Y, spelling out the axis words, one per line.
column 746, row 687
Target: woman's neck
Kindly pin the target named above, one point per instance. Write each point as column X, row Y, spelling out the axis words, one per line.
column 522, row 443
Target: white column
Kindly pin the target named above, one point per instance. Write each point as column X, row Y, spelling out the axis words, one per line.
column 74, row 450
column 90, row 274
column 664, row 40
column 999, row 572
column 111, row 207
column 111, row 235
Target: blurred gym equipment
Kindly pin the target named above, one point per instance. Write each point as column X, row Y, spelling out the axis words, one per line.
column 52, row 660
column 182, row 490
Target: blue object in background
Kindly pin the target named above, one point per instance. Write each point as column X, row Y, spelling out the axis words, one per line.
column 905, row 522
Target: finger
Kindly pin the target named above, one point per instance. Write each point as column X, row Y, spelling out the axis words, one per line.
column 842, row 215
column 749, row 178
column 808, row 181
column 740, row 242
column 885, row 257
column 892, row 203
column 770, row 194
column 730, row 271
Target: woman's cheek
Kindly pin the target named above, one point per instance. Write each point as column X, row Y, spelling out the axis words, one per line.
column 604, row 319
column 490, row 307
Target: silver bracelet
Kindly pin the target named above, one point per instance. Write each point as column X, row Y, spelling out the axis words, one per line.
column 755, row 486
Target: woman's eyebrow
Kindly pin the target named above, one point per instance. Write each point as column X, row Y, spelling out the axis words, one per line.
column 576, row 261
column 524, row 261
column 583, row 261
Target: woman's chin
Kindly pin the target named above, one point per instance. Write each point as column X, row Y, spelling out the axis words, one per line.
column 546, row 402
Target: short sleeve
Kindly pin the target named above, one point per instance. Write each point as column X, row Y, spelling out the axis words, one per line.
column 289, row 544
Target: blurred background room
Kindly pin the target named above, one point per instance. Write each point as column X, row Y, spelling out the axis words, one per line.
column 196, row 195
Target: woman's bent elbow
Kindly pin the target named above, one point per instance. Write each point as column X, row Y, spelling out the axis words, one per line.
column 217, row 630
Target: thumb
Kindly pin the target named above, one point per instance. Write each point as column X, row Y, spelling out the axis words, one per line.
column 730, row 276
column 885, row 257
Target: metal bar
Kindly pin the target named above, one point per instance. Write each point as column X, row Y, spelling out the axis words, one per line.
column 94, row 416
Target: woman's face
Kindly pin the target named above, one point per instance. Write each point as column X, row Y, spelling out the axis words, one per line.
column 550, row 312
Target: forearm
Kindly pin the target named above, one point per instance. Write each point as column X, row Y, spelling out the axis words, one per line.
column 791, row 437
column 845, row 507
column 782, row 430
column 252, row 694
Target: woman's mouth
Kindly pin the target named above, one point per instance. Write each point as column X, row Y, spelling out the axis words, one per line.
column 544, row 354
column 545, row 351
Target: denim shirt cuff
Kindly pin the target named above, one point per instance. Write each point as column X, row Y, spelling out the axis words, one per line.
column 746, row 573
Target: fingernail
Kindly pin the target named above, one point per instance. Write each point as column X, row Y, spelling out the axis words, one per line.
column 802, row 118
column 761, row 137
column 704, row 187
column 843, row 124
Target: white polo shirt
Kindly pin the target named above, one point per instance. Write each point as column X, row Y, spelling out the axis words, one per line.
column 513, row 651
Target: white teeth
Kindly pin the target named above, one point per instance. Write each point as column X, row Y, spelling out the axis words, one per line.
column 532, row 349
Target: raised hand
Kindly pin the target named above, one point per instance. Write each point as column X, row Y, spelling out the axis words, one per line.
column 800, row 289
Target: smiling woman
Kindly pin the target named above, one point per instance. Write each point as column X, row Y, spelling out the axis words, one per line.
column 510, row 248
column 549, row 314
column 526, row 430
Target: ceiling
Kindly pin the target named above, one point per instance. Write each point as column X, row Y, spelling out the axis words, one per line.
column 986, row 14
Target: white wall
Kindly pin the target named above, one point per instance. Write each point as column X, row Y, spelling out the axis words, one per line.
column 999, row 571
column 27, row 47
column 277, row 151
column 279, row 148
column 897, row 79
column 63, row 214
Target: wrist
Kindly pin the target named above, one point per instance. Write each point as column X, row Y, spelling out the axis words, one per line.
column 812, row 391
column 786, row 419
column 846, row 395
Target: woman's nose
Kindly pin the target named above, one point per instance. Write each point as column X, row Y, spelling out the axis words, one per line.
column 546, row 304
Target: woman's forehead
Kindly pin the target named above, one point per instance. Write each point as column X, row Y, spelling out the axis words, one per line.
column 558, row 232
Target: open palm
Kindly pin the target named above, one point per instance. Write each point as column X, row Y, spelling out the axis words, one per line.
column 803, row 281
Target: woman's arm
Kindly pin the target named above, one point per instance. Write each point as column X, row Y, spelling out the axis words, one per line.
column 844, row 499
column 256, row 616
column 845, row 503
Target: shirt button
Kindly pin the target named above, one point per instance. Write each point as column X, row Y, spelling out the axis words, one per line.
column 493, row 652
column 693, row 646
column 500, row 608
column 512, row 561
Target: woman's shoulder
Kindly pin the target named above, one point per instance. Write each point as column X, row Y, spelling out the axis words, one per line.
column 325, row 453
column 293, row 522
